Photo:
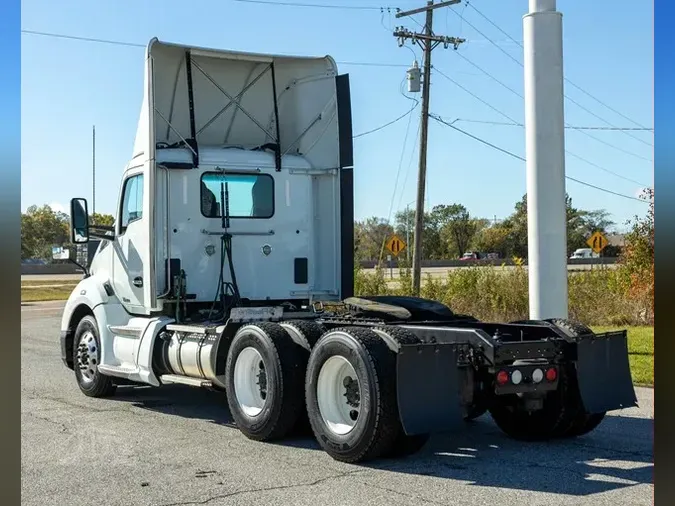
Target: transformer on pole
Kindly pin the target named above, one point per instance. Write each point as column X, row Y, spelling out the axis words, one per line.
column 427, row 42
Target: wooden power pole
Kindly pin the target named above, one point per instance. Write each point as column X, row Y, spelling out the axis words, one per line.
column 428, row 42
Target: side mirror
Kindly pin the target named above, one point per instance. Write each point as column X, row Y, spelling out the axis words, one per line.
column 79, row 221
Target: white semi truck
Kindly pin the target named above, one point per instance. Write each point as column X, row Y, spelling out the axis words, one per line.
column 230, row 266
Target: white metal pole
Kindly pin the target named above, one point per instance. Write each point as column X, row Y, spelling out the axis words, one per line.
column 545, row 153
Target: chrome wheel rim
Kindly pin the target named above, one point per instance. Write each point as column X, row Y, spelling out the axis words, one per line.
column 87, row 356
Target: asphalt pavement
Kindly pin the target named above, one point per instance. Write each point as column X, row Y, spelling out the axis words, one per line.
column 177, row 445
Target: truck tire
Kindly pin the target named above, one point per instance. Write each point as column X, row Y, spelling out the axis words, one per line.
column 475, row 411
column 404, row 445
column 553, row 420
column 306, row 333
column 563, row 414
column 86, row 357
column 583, row 422
column 264, row 379
column 350, row 391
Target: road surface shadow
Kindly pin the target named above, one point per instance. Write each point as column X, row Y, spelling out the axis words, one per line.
column 179, row 400
column 618, row 454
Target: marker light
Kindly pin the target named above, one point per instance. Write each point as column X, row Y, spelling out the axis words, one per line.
column 516, row 377
column 502, row 377
column 537, row 375
column 551, row 374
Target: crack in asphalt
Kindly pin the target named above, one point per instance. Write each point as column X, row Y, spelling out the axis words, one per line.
column 265, row 489
column 64, row 428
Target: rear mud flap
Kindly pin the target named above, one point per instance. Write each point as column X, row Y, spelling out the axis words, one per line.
column 603, row 373
column 428, row 388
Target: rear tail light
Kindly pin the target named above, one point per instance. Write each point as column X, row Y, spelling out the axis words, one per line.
column 502, row 377
column 551, row 374
column 516, row 377
column 537, row 375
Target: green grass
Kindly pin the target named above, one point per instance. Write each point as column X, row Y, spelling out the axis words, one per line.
column 46, row 293
column 45, row 282
column 640, row 352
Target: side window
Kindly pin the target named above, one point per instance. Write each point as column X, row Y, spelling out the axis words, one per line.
column 132, row 201
column 249, row 195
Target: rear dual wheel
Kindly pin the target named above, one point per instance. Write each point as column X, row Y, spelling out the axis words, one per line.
column 264, row 380
column 350, row 392
column 348, row 385
column 563, row 413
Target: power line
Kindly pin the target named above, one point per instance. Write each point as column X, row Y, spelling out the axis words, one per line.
column 494, row 24
column 566, row 79
column 520, row 95
column 514, row 123
column 84, row 39
column 120, row 43
column 593, row 164
column 464, row 20
column 501, row 83
column 387, row 124
column 134, row 44
column 475, row 96
column 493, row 146
column 487, row 122
column 518, row 157
column 319, row 6
column 410, row 160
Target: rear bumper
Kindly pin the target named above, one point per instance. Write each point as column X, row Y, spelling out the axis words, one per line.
column 431, row 385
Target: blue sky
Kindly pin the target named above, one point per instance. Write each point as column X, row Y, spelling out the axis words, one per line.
column 69, row 85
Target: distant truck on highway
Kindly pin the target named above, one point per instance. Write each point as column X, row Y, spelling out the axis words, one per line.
column 475, row 255
column 235, row 232
column 584, row 253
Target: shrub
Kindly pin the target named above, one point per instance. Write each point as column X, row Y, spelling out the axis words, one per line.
column 596, row 297
column 636, row 263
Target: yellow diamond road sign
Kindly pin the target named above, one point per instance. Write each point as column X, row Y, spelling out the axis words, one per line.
column 395, row 245
column 597, row 242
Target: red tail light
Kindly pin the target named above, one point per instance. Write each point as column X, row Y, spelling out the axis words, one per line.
column 551, row 374
column 502, row 377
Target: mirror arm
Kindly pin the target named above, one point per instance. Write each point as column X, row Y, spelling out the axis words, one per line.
column 86, row 272
column 102, row 227
column 103, row 237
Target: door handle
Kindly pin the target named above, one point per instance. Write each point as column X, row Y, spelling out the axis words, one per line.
column 138, row 281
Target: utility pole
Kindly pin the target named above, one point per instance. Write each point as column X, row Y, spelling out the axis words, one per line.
column 428, row 42
column 93, row 170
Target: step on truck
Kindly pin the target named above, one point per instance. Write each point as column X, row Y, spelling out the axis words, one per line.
column 230, row 266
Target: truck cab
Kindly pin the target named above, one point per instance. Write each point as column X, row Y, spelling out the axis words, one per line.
column 238, row 191
column 583, row 253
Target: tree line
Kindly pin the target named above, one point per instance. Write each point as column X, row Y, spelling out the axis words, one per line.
column 450, row 231
column 42, row 228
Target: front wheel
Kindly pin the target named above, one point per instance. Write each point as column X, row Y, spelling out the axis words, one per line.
column 86, row 359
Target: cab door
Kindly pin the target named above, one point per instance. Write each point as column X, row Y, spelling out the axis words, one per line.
column 130, row 245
